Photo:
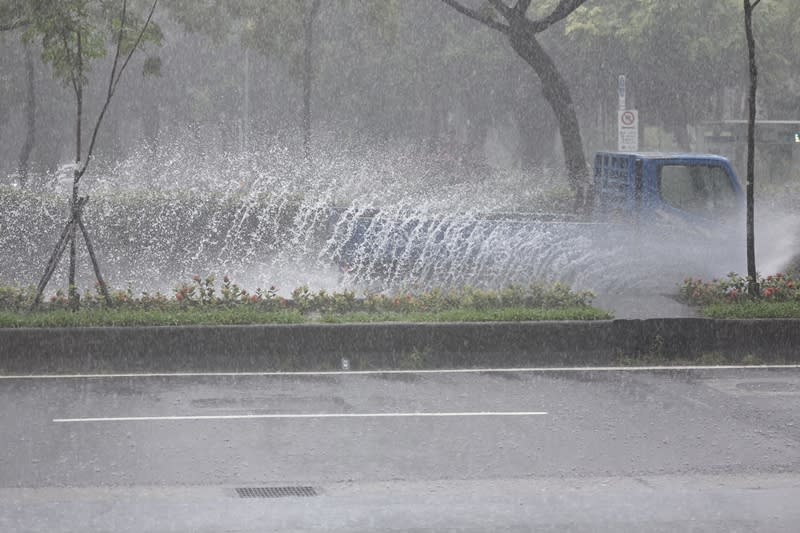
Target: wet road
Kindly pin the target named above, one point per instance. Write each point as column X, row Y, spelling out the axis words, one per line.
column 572, row 450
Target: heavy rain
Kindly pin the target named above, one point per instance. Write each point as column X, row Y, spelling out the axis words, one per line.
column 361, row 251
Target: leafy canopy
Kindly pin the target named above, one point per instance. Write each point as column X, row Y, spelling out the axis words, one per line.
column 74, row 33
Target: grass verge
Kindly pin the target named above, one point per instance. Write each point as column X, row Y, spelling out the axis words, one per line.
column 244, row 315
column 153, row 317
column 510, row 314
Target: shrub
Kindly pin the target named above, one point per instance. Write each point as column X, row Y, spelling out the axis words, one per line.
column 202, row 292
column 15, row 298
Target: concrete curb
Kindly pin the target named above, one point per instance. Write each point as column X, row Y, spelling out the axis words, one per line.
column 387, row 345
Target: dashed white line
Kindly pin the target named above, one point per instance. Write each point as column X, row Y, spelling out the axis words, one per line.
column 299, row 416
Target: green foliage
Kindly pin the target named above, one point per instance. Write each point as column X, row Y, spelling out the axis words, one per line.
column 275, row 28
column 666, row 49
column 152, row 66
column 669, row 50
column 510, row 314
column 74, row 33
column 200, row 301
column 146, row 317
column 15, row 298
column 213, row 18
column 170, row 315
column 535, row 296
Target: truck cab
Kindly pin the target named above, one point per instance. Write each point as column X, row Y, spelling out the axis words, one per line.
column 695, row 188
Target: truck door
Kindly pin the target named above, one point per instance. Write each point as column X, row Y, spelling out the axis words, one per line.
column 704, row 190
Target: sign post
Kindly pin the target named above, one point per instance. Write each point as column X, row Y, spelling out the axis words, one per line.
column 628, row 130
column 621, row 91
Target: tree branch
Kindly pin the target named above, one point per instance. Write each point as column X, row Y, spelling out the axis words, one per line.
column 119, row 46
column 500, row 6
column 14, row 25
column 314, row 8
column 522, row 6
column 475, row 15
column 113, row 84
column 68, row 52
column 136, row 44
column 561, row 11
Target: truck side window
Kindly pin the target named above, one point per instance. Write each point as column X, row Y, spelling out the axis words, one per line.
column 696, row 188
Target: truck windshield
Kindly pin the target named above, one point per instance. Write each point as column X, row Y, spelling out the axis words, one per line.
column 697, row 188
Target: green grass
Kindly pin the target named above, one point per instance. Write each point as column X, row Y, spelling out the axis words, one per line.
column 754, row 309
column 507, row 314
column 244, row 315
column 137, row 317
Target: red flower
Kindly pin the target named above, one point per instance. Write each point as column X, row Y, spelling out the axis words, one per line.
column 179, row 296
column 254, row 298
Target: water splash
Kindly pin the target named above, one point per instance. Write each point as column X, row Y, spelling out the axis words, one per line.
column 365, row 216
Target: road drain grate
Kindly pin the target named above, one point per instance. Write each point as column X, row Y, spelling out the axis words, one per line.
column 275, row 492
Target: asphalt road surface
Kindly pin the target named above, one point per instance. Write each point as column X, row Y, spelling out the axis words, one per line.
column 521, row 450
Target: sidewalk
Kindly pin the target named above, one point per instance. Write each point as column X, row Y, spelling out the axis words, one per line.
column 632, row 304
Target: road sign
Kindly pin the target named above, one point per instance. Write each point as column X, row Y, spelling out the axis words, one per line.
column 621, row 90
column 628, row 130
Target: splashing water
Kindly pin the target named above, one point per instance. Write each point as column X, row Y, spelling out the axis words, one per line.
column 377, row 217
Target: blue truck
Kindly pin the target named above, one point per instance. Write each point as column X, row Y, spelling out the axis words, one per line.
column 654, row 209
column 696, row 188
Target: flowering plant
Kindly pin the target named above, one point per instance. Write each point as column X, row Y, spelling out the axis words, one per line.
column 733, row 288
column 201, row 292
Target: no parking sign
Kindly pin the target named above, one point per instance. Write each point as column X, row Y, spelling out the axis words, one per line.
column 628, row 128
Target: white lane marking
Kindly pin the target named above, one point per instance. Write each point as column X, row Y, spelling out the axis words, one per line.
column 379, row 372
column 299, row 416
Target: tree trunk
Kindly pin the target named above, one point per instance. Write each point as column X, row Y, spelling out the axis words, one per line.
column 557, row 94
column 74, row 209
column 30, row 119
column 308, row 77
column 152, row 128
column 751, row 126
column 245, row 146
